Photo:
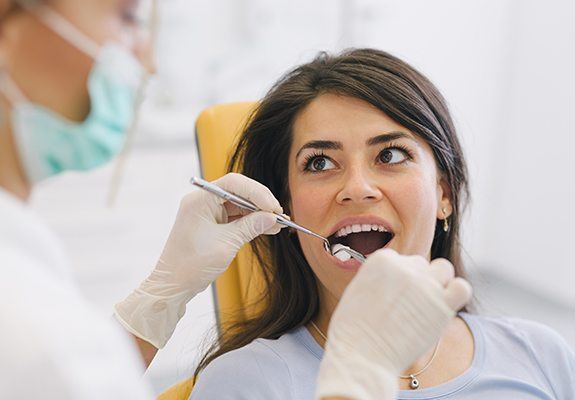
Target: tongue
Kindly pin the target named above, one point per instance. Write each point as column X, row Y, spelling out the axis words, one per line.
column 366, row 242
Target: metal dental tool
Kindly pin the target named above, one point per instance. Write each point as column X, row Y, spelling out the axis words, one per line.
column 248, row 205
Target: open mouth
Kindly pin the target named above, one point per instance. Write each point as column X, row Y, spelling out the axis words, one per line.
column 364, row 238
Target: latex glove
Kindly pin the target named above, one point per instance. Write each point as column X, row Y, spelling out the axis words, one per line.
column 203, row 242
column 393, row 311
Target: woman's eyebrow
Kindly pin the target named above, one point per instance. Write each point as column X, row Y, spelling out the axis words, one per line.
column 334, row 145
column 388, row 137
column 320, row 144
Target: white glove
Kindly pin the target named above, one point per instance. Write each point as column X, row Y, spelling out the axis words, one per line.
column 393, row 311
column 203, row 242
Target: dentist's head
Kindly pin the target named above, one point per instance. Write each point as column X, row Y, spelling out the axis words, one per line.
column 69, row 74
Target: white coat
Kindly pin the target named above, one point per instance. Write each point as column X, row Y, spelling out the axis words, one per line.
column 53, row 344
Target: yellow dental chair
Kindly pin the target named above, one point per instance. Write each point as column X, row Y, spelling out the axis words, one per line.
column 235, row 291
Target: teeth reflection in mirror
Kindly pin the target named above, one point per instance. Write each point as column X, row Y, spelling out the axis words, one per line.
column 340, row 255
column 343, row 256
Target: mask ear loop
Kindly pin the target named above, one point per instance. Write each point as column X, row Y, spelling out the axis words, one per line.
column 10, row 90
column 120, row 166
column 64, row 28
column 11, row 93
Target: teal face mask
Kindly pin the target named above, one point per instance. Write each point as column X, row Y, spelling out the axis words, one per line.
column 48, row 143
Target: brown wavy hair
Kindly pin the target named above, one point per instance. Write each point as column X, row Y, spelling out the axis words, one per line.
column 384, row 81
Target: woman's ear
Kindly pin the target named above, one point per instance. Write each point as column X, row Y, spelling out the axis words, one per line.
column 444, row 206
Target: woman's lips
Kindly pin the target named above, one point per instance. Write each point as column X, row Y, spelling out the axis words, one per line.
column 352, row 264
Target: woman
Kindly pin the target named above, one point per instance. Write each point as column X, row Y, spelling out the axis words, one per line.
column 361, row 148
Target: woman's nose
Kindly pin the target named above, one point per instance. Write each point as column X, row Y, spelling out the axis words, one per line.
column 359, row 186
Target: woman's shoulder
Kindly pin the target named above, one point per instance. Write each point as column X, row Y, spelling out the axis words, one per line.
column 250, row 372
column 532, row 333
column 528, row 343
column 262, row 369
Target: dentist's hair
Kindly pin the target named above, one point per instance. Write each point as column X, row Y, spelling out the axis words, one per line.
column 392, row 86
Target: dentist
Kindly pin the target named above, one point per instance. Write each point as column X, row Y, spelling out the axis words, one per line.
column 70, row 77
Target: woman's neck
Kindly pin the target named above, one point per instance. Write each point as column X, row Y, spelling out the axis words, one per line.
column 328, row 304
column 12, row 177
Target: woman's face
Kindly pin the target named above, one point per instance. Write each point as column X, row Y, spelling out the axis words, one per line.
column 362, row 180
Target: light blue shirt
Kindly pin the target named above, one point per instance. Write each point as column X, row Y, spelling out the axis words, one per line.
column 513, row 359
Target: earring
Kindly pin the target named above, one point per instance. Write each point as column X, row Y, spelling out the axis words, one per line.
column 445, row 222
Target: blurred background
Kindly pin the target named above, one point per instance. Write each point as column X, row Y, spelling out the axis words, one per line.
column 506, row 67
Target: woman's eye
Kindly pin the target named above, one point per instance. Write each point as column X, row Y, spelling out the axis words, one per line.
column 317, row 164
column 393, row 156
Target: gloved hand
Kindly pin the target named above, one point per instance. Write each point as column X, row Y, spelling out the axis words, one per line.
column 204, row 240
column 393, row 311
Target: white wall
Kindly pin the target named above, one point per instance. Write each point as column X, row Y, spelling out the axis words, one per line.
column 533, row 190
column 505, row 66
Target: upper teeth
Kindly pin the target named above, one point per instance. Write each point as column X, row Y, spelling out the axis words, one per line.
column 346, row 230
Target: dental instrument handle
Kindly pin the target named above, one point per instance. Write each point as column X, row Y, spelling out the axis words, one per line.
column 282, row 220
column 244, row 203
column 224, row 194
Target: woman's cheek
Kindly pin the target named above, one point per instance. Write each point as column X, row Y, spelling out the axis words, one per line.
column 304, row 212
column 308, row 204
column 414, row 202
